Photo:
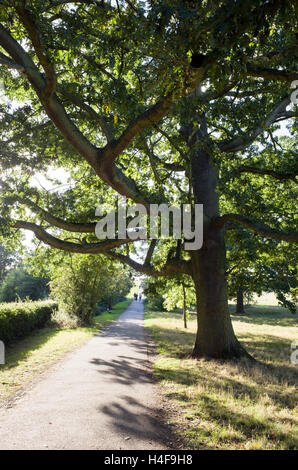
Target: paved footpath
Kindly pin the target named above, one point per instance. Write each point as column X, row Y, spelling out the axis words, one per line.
column 101, row 396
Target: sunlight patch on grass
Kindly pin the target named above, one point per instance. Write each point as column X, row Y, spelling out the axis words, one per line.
column 230, row 405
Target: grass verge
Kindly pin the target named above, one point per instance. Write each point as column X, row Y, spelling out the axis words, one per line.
column 30, row 357
column 217, row 405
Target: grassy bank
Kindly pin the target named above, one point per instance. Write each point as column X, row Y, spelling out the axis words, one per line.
column 30, row 357
column 240, row 405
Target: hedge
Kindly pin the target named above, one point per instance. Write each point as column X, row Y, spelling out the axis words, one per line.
column 18, row 319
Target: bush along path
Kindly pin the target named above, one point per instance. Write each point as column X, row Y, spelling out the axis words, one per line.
column 100, row 397
column 19, row 319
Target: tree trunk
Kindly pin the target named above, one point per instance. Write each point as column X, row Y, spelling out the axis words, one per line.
column 215, row 335
column 240, row 304
column 184, row 307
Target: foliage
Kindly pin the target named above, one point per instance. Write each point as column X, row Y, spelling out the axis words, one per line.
column 17, row 320
column 255, row 266
column 168, row 294
column 19, row 284
column 6, row 260
column 80, row 283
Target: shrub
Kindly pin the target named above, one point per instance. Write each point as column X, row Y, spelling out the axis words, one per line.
column 18, row 319
column 63, row 319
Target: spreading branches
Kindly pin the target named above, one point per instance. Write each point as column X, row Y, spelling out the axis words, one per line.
column 241, row 143
column 150, row 117
column 52, row 105
column 47, row 216
column 171, row 141
column 101, row 160
column 257, row 227
column 167, row 165
column 75, row 99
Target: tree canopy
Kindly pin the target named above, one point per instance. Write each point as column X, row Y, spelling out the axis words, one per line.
column 159, row 101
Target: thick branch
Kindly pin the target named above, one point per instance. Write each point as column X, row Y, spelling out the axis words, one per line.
column 4, row 60
column 147, row 118
column 91, row 248
column 257, row 227
column 264, row 171
column 60, row 223
column 150, row 252
column 172, row 267
column 272, row 74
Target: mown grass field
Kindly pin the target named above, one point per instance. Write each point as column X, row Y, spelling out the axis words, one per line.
column 30, row 357
column 217, row 405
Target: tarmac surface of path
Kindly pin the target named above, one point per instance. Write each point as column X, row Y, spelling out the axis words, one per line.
column 100, row 396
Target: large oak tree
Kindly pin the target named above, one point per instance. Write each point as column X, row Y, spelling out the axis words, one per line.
column 161, row 102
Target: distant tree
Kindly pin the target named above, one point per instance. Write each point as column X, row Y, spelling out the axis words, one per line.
column 171, row 293
column 19, row 284
column 6, row 260
column 257, row 266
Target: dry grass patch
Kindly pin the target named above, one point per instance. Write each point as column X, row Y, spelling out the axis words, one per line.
column 231, row 405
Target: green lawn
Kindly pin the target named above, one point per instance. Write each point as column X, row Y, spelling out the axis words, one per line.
column 30, row 357
column 217, row 405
